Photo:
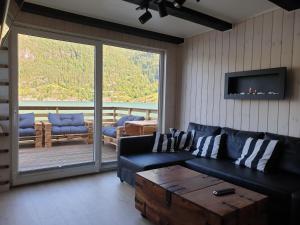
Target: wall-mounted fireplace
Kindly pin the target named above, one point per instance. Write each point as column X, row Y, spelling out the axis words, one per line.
column 256, row 84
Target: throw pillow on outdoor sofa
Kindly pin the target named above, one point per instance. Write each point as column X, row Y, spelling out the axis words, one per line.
column 209, row 146
column 183, row 140
column 163, row 142
column 257, row 153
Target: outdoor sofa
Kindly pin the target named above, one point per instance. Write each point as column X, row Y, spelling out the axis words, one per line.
column 67, row 127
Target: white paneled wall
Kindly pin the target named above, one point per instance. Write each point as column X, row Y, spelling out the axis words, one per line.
column 4, row 121
column 268, row 40
column 3, row 57
column 5, row 151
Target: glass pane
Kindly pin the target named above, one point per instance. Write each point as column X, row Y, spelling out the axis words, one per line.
column 130, row 92
column 56, row 103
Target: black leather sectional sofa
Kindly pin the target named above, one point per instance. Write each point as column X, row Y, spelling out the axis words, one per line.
column 282, row 185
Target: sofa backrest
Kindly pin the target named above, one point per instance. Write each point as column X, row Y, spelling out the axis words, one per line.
column 289, row 158
column 202, row 130
column 122, row 120
column 75, row 119
column 235, row 140
column 26, row 120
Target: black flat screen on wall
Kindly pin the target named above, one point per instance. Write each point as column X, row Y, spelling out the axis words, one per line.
column 256, row 84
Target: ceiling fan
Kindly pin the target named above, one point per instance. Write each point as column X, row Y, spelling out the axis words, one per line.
column 161, row 7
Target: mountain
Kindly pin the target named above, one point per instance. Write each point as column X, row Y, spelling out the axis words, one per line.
column 59, row 70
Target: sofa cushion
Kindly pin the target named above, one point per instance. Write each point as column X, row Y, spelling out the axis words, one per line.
column 202, row 130
column 163, row 142
column 235, row 140
column 279, row 185
column 257, row 154
column 25, row 132
column 109, row 131
column 289, row 158
column 75, row 119
column 147, row 161
column 183, row 140
column 122, row 120
column 209, row 147
column 57, row 130
column 26, row 120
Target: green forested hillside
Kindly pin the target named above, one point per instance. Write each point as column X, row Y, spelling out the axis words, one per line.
column 56, row 70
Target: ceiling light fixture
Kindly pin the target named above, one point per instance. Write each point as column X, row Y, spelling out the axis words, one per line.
column 143, row 5
column 161, row 7
column 178, row 3
column 162, row 10
column 145, row 17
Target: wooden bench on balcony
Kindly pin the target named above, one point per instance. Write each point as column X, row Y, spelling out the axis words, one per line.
column 114, row 131
column 67, row 127
column 110, row 117
column 29, row 130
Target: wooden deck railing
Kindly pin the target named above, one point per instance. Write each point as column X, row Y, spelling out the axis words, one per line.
column 109, row 114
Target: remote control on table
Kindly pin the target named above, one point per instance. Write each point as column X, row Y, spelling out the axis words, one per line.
column 222, row 192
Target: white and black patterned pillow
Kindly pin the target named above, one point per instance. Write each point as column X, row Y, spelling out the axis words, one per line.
column 163, row 143
column 208, row 146
column 183, row 140
column 257, row 153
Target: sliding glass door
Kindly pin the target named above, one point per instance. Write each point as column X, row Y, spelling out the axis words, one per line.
column 55, row 115
column 75, row 98
column 130, row 95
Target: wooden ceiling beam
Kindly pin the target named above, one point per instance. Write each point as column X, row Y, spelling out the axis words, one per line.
column 289, row 5
column 89, row 21
column 189, row 15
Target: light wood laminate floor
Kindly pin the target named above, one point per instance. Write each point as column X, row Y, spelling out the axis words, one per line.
column 88, row 200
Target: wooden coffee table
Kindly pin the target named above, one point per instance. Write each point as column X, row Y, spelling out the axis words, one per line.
column 136, row 128
column 179, row 196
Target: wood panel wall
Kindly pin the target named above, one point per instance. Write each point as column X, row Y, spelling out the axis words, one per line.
column 5, row 141
column 265, row 41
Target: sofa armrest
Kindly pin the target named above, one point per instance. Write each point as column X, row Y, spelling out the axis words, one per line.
column 120, row 131
column 38, row 126
column 135, row 145
column 295, row 209
column 89, row 125
column 47, row 126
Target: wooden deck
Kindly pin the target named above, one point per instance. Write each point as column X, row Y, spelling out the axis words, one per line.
column 61, row 154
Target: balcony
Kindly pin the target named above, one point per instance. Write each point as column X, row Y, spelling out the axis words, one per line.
column 68, row 150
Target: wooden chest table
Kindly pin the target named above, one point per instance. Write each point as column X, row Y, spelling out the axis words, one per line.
column 179, row 196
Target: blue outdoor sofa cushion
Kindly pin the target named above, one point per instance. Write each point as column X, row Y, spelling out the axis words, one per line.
column 26, row 120
column 26, row 125
column 109, row 131
column 57, row 130
column 122, row 120
column 67, row 123
column 25, row 132
column 75, row 119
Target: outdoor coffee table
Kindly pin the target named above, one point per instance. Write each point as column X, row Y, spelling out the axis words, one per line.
column 179, row 196
column 136, row 128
